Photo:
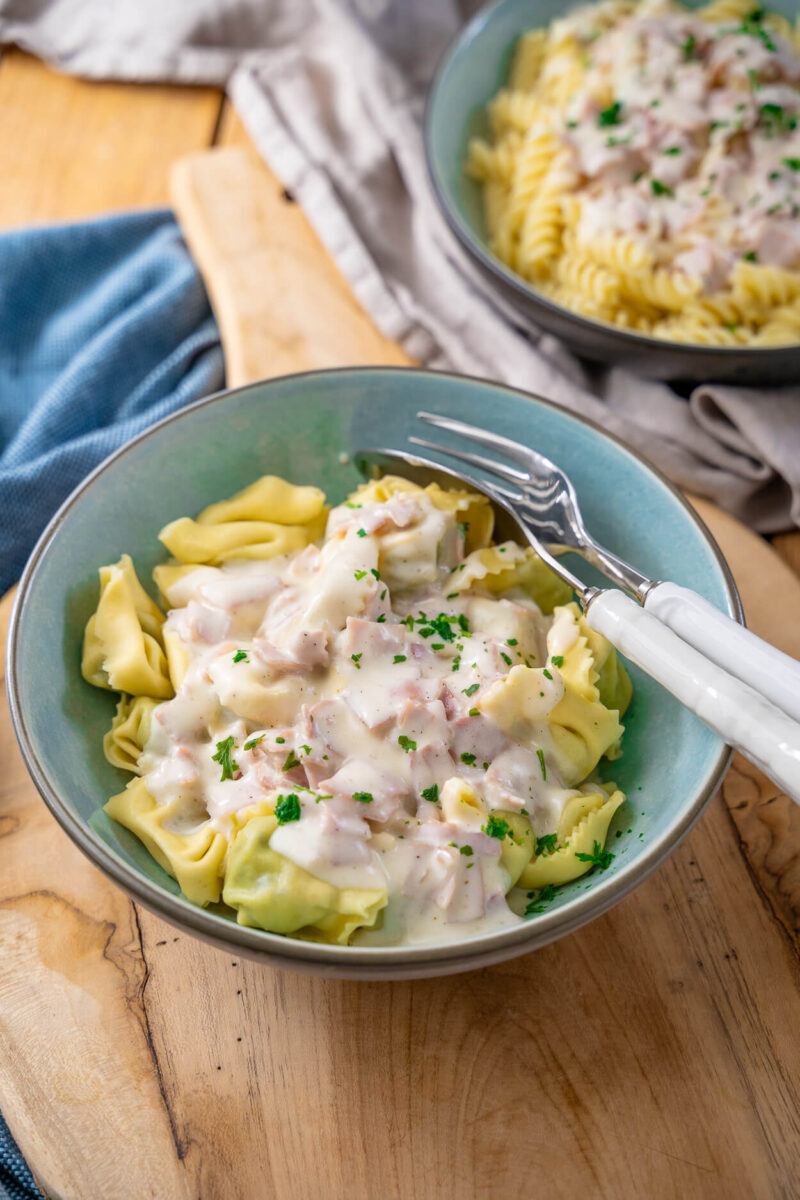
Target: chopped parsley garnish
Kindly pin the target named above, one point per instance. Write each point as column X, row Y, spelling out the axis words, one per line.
column 598, row 858
column 610, row 115
column 223, row 757
column 750, row 256
column 306, row 748
column 558, row 660
column 776, row 119
column 451, row 595
column 363, row 797
column 496, row 827
column 688, row 47
column 399, row 658
column 547, row 844
column 241, row 656
column 540, row 756
column 347, row 504
column 437, row 645
column 287, row 809
column 357, row 660
column 471, row 690
column 505, row 657
column 672, row 150
column 468, row 759
column 464, row 527
column 792, row 163
column 358, row 575
column 290, row 761
column 474, row 712
column 280, row 741
column 431, row 794
column 612, row 141
column 467, row 851
column 660, row 189
column 381, row 618
column 254, row 741
column 751, row 27
column 538, row 905
column 572, row 124
column 383, row 594
column 637, row 176
column 374, row 571
column 547, row 674
column 362, row 532
column 512, row 641
column 405, row 743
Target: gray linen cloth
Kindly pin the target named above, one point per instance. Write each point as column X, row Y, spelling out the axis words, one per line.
column 332, row 93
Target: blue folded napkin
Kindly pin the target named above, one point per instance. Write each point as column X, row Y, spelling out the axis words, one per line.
column 105, row 327
column 16, row 1181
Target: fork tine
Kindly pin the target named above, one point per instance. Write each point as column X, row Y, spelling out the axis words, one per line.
column 477, row 460
column 513, row 450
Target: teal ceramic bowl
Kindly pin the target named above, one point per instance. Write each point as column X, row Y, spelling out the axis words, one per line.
column 306, row 427
column 470, row 73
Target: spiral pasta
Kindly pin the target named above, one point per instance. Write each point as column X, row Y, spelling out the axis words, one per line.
column 642, row 167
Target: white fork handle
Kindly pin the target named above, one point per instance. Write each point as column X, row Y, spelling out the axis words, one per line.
column 728, row 644
column 745, row 719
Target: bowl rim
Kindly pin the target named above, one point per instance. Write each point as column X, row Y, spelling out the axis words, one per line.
column 469, row 241
column 457, row 955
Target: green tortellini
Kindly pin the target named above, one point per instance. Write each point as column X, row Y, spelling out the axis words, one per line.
column 270, row 892
column 182, row 841
column 123, row 646
column 130, row 729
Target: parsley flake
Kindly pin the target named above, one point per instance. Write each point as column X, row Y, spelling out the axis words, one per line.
column 291, row 761
column 540, row 756
column 357, row 660
column 660, row 189
column 599, row 858
column 792, row 163
column 223, row 757
column 547, row 844
column 610, row 115
column 287, row 809
column 406, row 743
column 474, row 712
column 241, row 656
column 362, row 532
column 496, row 827
column 468, row 759
column 254, row 742
column 471, row 690
column 547, row 674
column 363, row 797
column 467, row 851
column 358, row 575
column 546, row 894
column 431, row 794
column 398, row 658
column 558, row 660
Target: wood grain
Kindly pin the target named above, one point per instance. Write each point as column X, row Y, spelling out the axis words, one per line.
column 652, row 1054
column 73, row 149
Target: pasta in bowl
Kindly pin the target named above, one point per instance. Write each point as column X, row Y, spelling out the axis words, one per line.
column 636, row 165
column 368, row 725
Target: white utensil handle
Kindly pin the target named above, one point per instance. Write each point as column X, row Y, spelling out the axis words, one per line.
column 763, row 733
column 728, row 644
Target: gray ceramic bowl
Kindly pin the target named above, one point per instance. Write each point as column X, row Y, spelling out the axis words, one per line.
column 470, row 73
column 299, row 426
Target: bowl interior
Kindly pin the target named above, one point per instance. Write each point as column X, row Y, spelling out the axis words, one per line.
column 470, row 74
column 301, row 427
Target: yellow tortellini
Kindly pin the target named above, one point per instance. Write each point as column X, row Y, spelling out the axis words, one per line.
column 130, row 729
column 500, row 568
column 266, row 519
column 181, row 841
column 517, row 846
column 590, row 830
column 123, row 647
column 270, row 892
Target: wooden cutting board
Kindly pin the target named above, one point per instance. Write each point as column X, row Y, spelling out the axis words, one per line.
column 652, row 1054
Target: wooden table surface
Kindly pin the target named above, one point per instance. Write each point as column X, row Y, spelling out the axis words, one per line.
column 653, row 1054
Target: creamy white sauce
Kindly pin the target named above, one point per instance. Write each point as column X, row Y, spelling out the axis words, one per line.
column 343, row 685
column 701, row 156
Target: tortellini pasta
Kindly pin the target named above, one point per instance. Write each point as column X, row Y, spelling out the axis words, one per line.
column 182, row 842
column 123, row 648
column 270, row 892
column 375, row 666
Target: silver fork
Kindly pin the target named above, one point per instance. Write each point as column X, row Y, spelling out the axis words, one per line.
column 745, row 718
column 545, row 498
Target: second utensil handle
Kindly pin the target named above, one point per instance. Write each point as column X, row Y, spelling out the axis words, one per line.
column 728, row 644
column 763, row 733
